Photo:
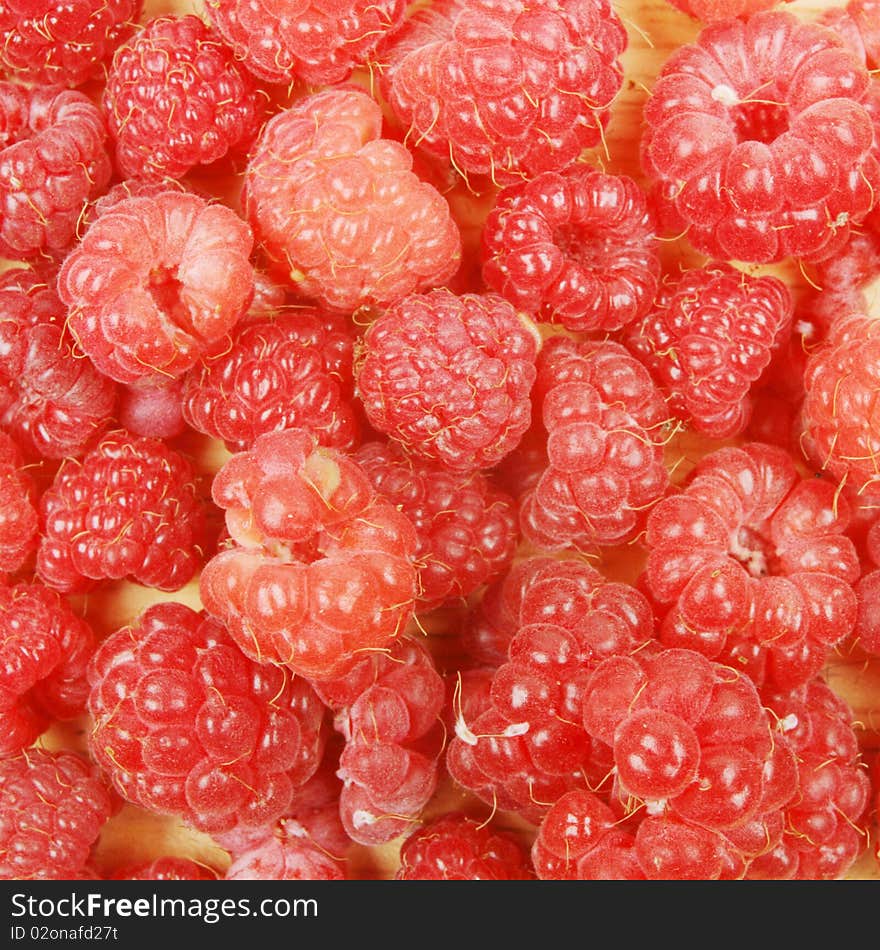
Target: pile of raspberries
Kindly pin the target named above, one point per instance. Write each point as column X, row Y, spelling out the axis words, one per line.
column 404, row 473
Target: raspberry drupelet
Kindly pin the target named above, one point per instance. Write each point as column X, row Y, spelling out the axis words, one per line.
column 130, row 508
column 826, row 826
column 186, row 725
column 526, row 746
column 318, row 569
column 749, row 564
column 466, row 526
column 505, row 89
column 19, row 520
column 574, row 247
column 53, row 400
column 53, row 160
column 285, row 859
column 605, row 422
column 44, row 650
column 62, row 41
column 759, row 141
column 176, row 98
column 455, row 847
column 165, row 869
column 290, row 371
column 708, row 338
column 388, row 709
column 54, row 805
column 839, row 415
column 338, row 209
column 321, row 43
column 449, row 377
column 155, row 281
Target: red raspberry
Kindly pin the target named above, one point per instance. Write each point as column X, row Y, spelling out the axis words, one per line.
column 750, row 565
column 53, row 160
column 293, row 371
column 318, row 43
column 155, row 282
column 51, row 398
column 826, row 825
column 502, row 88
column 186, row 725
column 449, row 377
column 575, row 248
column 388, row 708
column 605, row 422
column 466, row 527
column 19, row 523
column 839, row 418
column 759, row 140
column 44, row 649
column 165, row 869
column 867, row 628
column 526, row 746
column 129, row 509
column 707, row 340
column 454, row 847
column 54, row 806
column 62, row 41
column 338, row 209
column 319, row 569
column 176, row 98
column 153, row 409
column 693, row 744
column 285, row 859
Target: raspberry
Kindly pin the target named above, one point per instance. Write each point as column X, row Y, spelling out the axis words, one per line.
column 758, row 139
column 826, row 822
column 19, row 522
column 707, row 340
column 839, row 419
column 54, row 401
column 155, row 282
column 466, row 527
column 338, row 209
column 292, row 371
column 165, row 869
column 285, row 859
column 129, row 509
column 318, row 570
column 153, row 409
column 44, row 649
column 454, row 847
column 500, row 88
column 186, row 725
column 449, row 377
column 574, row 247
column 605, row 422
column 176, row 98
column 318, row 43
column 749, row 564
column 867, row 628
column 62, row 41
column 526, row 747
column 54, row 806
column 388, row 708
column 53, row 160
column 693, row 744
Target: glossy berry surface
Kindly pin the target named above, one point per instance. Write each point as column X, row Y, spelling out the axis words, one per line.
column 185, row 724
column 575, row 247
column 176, row 98
column 54, row 807
column 449, row 377
column 448, row 76
column 338, row 209
column 129, row 508
column 19, row 521
column 154, row 282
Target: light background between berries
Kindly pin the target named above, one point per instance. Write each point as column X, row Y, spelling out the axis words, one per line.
column 654, row 29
